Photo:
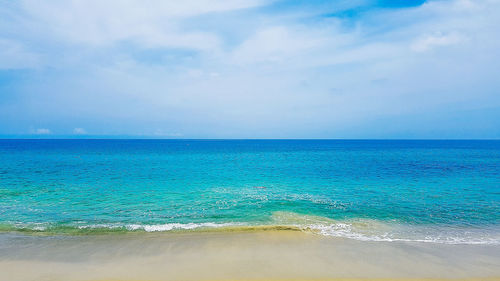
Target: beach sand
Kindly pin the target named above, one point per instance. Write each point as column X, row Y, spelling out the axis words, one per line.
column 256, row 255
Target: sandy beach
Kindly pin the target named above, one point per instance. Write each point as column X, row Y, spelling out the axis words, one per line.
column 256, row 255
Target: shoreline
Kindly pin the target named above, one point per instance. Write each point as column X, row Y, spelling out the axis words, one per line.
column 361, row 230
column 256, row 255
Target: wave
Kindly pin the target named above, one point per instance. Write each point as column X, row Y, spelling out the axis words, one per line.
column 383, row 231
column 168, row 227
column 348, row 231
column 358, row 229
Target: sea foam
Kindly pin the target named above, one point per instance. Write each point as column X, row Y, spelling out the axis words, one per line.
column 174, row 226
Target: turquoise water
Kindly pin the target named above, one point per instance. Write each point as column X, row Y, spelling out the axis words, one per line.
column 432, row 191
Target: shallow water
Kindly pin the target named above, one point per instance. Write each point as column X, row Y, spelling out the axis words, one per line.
column 431, row 191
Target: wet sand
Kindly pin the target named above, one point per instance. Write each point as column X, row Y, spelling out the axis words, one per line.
column 259, row 255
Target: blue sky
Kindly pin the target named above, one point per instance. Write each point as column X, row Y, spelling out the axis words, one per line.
column 250, row 69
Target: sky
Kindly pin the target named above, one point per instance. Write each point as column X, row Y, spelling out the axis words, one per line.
column 250, row 69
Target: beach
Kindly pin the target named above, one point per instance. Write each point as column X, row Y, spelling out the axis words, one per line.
column 245, row 255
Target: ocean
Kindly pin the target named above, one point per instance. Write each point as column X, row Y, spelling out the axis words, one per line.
column 436, row 191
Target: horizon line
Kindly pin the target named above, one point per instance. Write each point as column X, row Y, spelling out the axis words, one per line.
column 210, row 139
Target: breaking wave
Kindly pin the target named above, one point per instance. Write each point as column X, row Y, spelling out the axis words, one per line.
column 358, row 229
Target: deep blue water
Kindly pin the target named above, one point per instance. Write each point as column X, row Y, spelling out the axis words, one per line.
column 429, row 190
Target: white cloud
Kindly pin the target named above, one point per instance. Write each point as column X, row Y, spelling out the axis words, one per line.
column 274, row 44
column 13, row 55
column 79, row 131
column 149, row 23
column 431, row 41
column 41, row 131
column 163, row 133
column 257, row 71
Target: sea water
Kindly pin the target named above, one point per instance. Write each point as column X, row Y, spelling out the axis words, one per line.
column 440, row 191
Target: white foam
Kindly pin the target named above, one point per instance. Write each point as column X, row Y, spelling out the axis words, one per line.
column 347, row 230
column 174, row 226
column 383, row 231
column 358, row 229
column 97, row 226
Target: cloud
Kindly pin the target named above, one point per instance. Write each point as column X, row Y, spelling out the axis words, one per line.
column 431, row 41
column 13, row 55
column 41, row 131
column 163, row 133
column 273, row 44
column 150, row 23
column 79, row 131
column 244, row 68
